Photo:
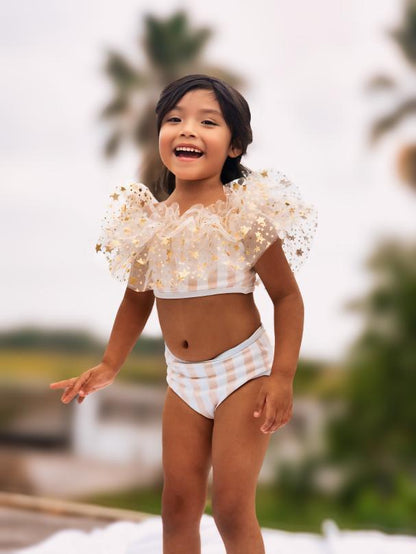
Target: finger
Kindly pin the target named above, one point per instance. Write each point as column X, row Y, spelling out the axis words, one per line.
column 62, row 384
column 275, row 426
column 271, row 416
column 69, row 395
column 84, row 393
column 286, row 417
column 284, row 420
column 66, row 397
column 268, row 428
column 267, row 424
column 259, row 404
column 73, row 391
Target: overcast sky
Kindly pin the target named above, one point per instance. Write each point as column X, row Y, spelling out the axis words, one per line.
column 306, row 64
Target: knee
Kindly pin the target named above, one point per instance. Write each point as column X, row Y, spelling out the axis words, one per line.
column 231, row 514
column 181, row 507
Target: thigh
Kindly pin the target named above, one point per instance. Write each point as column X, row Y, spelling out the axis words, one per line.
column 238, row 446
column 186, row 443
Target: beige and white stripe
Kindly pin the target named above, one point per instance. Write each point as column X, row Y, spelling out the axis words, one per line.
column 204, row 385
column 221, row 279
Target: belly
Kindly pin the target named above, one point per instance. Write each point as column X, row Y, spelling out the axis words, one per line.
column 200, row 328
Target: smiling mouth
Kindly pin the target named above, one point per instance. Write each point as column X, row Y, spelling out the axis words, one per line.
column 187, row 154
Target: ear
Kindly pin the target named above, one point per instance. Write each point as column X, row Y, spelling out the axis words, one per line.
column 234, row 151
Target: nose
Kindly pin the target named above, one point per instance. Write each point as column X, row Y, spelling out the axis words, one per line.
column 187, row 130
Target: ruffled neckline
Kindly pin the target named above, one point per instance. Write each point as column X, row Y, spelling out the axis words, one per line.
column 220, row 205
column 257, row 208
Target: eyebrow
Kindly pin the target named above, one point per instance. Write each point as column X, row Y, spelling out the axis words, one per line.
column 202, row 110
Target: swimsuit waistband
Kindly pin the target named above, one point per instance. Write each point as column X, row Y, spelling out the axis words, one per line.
column 227, row 353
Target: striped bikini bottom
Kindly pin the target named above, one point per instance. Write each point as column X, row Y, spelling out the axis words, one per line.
column 204, row 385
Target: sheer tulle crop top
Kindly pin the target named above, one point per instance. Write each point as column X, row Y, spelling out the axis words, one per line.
column 207, row 249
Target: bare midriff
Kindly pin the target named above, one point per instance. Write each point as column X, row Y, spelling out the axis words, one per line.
column 202, row 327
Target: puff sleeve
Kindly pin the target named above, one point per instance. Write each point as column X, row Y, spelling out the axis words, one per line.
column 126, row 230
column 277, row 210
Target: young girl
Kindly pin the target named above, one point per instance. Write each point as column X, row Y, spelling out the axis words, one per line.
column 199, row 252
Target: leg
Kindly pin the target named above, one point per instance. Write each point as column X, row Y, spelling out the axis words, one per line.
column 186, row 442
column 238, row 450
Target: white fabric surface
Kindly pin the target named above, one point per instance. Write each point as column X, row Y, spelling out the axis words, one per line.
column 124, row 537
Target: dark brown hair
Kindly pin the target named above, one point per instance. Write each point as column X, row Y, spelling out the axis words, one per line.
column 235, row 111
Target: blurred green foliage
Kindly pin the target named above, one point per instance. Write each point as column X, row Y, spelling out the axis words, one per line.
column 277, row 508
column 66, row 340
column 375, row 434
column 48, row 353
column 372, row 438
column 31, row 353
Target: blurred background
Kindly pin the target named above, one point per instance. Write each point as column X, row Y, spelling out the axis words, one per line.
column 332, row 91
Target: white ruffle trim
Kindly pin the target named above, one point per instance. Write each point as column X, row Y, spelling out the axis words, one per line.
column 152, row 244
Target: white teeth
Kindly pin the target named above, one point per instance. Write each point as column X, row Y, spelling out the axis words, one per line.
column 187, row 149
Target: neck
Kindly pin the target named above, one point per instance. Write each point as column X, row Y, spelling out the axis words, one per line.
column 197, row 189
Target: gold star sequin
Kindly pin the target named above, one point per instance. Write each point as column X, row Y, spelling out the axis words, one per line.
column 263, row 208
column 259, row 237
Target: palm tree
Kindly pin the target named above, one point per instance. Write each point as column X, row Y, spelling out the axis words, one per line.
column 405, row 38
column 173, row 49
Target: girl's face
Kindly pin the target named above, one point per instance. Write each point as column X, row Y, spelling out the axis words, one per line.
column 197, row 121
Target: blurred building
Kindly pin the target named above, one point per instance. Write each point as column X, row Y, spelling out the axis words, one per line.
column 113, row 440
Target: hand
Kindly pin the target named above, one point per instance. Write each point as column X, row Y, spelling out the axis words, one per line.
column 275, row 401
column 91, row 380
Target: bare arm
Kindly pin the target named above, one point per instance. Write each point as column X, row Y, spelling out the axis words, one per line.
column 131, row 318
column 283, row 290
column 275, row 398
